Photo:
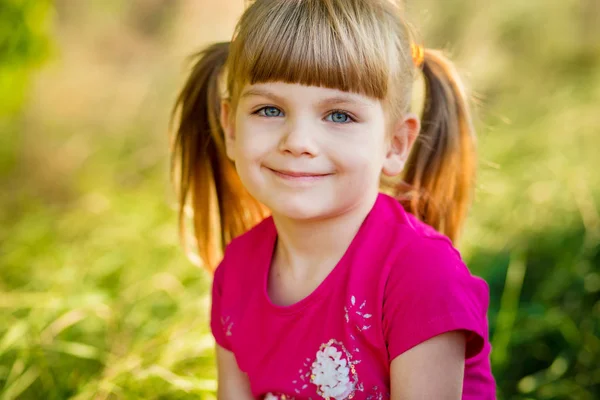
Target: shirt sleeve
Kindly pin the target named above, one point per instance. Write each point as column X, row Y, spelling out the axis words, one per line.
column 430, row 291
column 218, row 322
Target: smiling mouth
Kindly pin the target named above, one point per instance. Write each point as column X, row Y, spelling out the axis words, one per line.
column 298, row 176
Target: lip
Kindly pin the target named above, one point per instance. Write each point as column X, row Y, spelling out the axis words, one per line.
column 298, row 176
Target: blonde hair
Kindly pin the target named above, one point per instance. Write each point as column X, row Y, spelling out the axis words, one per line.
column 361, row 46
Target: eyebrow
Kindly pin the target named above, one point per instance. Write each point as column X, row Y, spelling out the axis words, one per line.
column 344, row 99
column 334, row 100
column 261, row 93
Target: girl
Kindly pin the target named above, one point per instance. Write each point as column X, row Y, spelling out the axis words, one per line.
column 343, row 292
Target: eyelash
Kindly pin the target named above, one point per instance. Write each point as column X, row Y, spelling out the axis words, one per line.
column 350, row 117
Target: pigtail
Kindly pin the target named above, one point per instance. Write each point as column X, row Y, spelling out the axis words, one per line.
column 441, row 167
column 202, row 173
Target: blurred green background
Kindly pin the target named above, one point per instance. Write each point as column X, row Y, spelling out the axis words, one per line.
column 97, row 300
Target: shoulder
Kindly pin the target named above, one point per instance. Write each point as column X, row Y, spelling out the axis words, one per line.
column 429, row 255
column 255, row 236
column 250, row 241
column 425, row 261
column 240, row 252
column 401, row 233
column 415, row 243
column 428, row 263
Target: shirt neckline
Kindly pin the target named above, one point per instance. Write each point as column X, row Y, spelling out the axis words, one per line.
column 267, row 259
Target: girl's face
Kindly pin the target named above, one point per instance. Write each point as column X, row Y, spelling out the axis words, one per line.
column 309, row 152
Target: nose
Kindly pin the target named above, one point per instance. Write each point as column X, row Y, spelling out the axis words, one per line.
column 298, row 140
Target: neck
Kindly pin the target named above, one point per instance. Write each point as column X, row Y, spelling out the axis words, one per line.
column 310, row 247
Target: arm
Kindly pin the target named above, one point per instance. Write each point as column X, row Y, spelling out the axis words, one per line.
column 433, row 369
column 233, row 383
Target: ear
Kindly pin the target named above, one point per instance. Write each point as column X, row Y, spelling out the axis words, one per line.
column 403, row 135
column 228, row 125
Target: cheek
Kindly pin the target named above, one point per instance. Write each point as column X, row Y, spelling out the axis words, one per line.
column 251, row 141
column 364, row 155
column 254, row 150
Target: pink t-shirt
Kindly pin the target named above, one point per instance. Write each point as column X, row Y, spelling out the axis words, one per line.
column 398, row 284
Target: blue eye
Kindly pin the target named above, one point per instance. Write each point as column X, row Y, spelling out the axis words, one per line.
column 339, row 117
column 269, row 112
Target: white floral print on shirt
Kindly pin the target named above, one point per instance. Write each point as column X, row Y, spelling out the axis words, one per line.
column 333, row 372
column 360, row 318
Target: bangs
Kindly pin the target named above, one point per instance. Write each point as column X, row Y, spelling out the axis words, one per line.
column 333, row 44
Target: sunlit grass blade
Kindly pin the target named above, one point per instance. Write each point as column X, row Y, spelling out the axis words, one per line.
column 187, row 384
column 80, row 350
column 20, row 384
column 509, row 308
column 13, row 335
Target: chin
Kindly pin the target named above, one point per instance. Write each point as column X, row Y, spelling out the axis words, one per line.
column 298, row 213
column 298, row 209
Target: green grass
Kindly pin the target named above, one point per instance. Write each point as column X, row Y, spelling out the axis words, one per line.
column 100, row 299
